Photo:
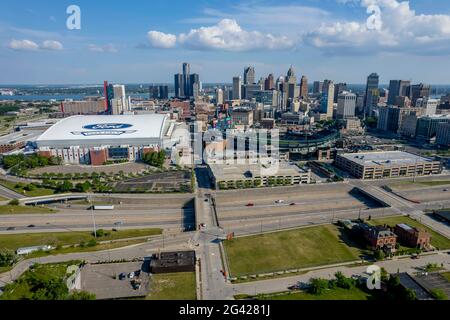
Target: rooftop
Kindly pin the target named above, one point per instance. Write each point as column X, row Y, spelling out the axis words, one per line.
column 385, row 158
column 248, row 171
column 86, row 130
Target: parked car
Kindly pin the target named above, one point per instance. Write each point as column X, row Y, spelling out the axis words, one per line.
column 131, row 275
column 122, row 276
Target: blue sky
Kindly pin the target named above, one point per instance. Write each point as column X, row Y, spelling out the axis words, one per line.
column 146, row 41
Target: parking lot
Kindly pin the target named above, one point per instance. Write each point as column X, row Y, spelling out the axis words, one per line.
column 103, row 280
column 166, row 181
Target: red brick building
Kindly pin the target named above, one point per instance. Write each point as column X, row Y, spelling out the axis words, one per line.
column 412, row 237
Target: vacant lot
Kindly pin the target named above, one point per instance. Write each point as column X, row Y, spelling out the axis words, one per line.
column 306, row 247
column 157, row 182
column 14, row 241
column 19, row 188
column 331, row 294
column 24, row 210
column 437, row 240
column 173, row 286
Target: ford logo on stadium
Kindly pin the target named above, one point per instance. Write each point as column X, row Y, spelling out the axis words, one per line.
column 107, row 126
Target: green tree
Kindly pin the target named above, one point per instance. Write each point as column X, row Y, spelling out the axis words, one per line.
column 81, row 295
column 439, row 294
column 318, row 286
column 14, row 202
column 7, row 257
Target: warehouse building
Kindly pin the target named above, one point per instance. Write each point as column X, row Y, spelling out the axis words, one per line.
column 101, row 138
column 386, row 164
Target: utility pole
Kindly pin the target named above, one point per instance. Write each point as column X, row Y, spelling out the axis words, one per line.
column 93, row 217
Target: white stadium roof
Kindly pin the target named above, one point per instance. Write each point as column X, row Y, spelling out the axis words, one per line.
column 98, row 130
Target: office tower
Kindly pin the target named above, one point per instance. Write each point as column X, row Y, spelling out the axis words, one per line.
column 249, row 75
column 398, row 88
column 346, row 105
column 317, row 87
column 154, row 92
column 237, row 88
column 338, row 89
column 392, row 118
column 428, row 105
column 194, row 80
column 269, row 84
column 304, row 87
column 219, row 96
column 372, row 83
column 427, row 126
column 327, row 104
column 291, row 80
column 179, row 85
column 372, row 98
column 163, row 92
column 196, row 90
column 186, row 79
column 443, row 134
column 108, row 96
column 419, row 91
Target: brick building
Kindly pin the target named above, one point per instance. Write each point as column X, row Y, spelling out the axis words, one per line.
column 412, row 237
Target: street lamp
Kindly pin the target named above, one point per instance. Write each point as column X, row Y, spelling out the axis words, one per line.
column 93, row 217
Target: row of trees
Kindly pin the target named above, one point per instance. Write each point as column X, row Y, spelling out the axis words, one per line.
column 20, row 161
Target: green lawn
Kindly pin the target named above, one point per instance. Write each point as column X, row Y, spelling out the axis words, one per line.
column 446, row 275
column 404, row 185
column 306, row 247
column 38, row 192
column 14, row 241
column 27, row 286
column 173, row 286
column 331, row 294
column 437, row 240
column 24, row 210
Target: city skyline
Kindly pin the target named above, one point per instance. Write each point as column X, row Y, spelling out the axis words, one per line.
column 326, row 40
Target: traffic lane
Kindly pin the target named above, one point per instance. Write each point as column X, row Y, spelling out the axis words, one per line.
column 88, row 227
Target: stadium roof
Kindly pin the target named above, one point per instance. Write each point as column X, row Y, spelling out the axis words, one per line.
column 90, row 131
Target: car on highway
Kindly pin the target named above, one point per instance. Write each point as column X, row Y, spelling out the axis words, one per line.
column 31, row 226
column 293, row 204
column 445, row 190
column 10, row 228
column 250, row 205
column 279, row 201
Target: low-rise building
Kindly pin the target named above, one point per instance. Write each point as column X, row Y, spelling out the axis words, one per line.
column 231, row 176
column 412, row 237
column 387, row 164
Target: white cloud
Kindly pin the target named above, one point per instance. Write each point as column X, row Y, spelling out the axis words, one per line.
column 109, row 48
column 23, row 45
column 402, row 30
column 227, row 35
column 52, row 45
column 28, row 45
column 161, row 40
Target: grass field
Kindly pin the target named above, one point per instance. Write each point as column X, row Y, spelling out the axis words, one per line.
column 446, row 275
column 38, row 192
column 331, row 294
column 301, row 248
column 21, row 289
column 14, row 241
column 173, row 286
column 404, row 185
column 437, row 240
column 24, row 210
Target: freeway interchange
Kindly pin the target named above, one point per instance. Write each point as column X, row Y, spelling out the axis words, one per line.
column 221, row 212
